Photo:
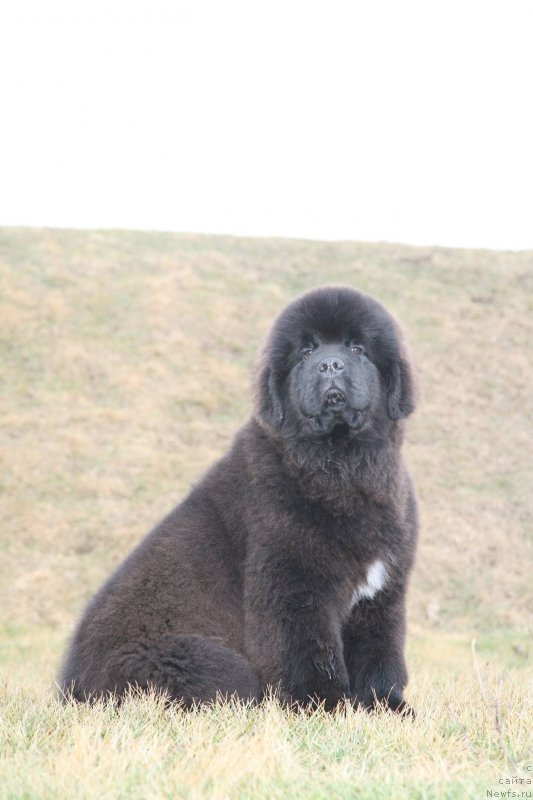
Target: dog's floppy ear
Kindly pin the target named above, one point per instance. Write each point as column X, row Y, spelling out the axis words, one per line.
column 401, row 392
column 269, row 398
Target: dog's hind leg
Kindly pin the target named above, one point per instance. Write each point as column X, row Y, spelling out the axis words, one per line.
column 190, row 669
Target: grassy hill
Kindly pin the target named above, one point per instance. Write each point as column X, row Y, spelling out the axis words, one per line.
column 125, row 370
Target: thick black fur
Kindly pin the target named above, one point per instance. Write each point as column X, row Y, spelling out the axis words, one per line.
column 249, row 582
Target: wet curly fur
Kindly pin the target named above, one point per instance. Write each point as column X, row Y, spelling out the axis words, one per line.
column 286, row 566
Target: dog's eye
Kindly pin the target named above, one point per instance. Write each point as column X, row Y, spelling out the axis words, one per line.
column 307, row 349
column 357, row 350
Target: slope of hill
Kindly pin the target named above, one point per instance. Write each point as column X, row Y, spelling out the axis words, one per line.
column 126, row 362
column 125, row 370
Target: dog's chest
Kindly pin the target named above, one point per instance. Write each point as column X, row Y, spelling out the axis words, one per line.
column 371, row 583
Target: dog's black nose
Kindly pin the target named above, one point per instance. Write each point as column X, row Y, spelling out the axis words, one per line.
column 332, row 364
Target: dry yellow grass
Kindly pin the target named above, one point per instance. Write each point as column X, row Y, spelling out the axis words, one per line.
column 469, row 737
column 125, row 364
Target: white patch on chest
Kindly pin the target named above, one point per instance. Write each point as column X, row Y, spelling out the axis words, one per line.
column 376, row 575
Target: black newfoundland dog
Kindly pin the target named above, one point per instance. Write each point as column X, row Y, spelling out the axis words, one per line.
column 287, row 565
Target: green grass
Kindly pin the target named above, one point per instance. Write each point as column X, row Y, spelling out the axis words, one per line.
column 125, row 362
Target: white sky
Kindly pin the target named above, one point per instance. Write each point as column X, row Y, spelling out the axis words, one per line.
column 399, row 120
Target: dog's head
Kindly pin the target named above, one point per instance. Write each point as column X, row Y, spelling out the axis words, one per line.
column 334, row 365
